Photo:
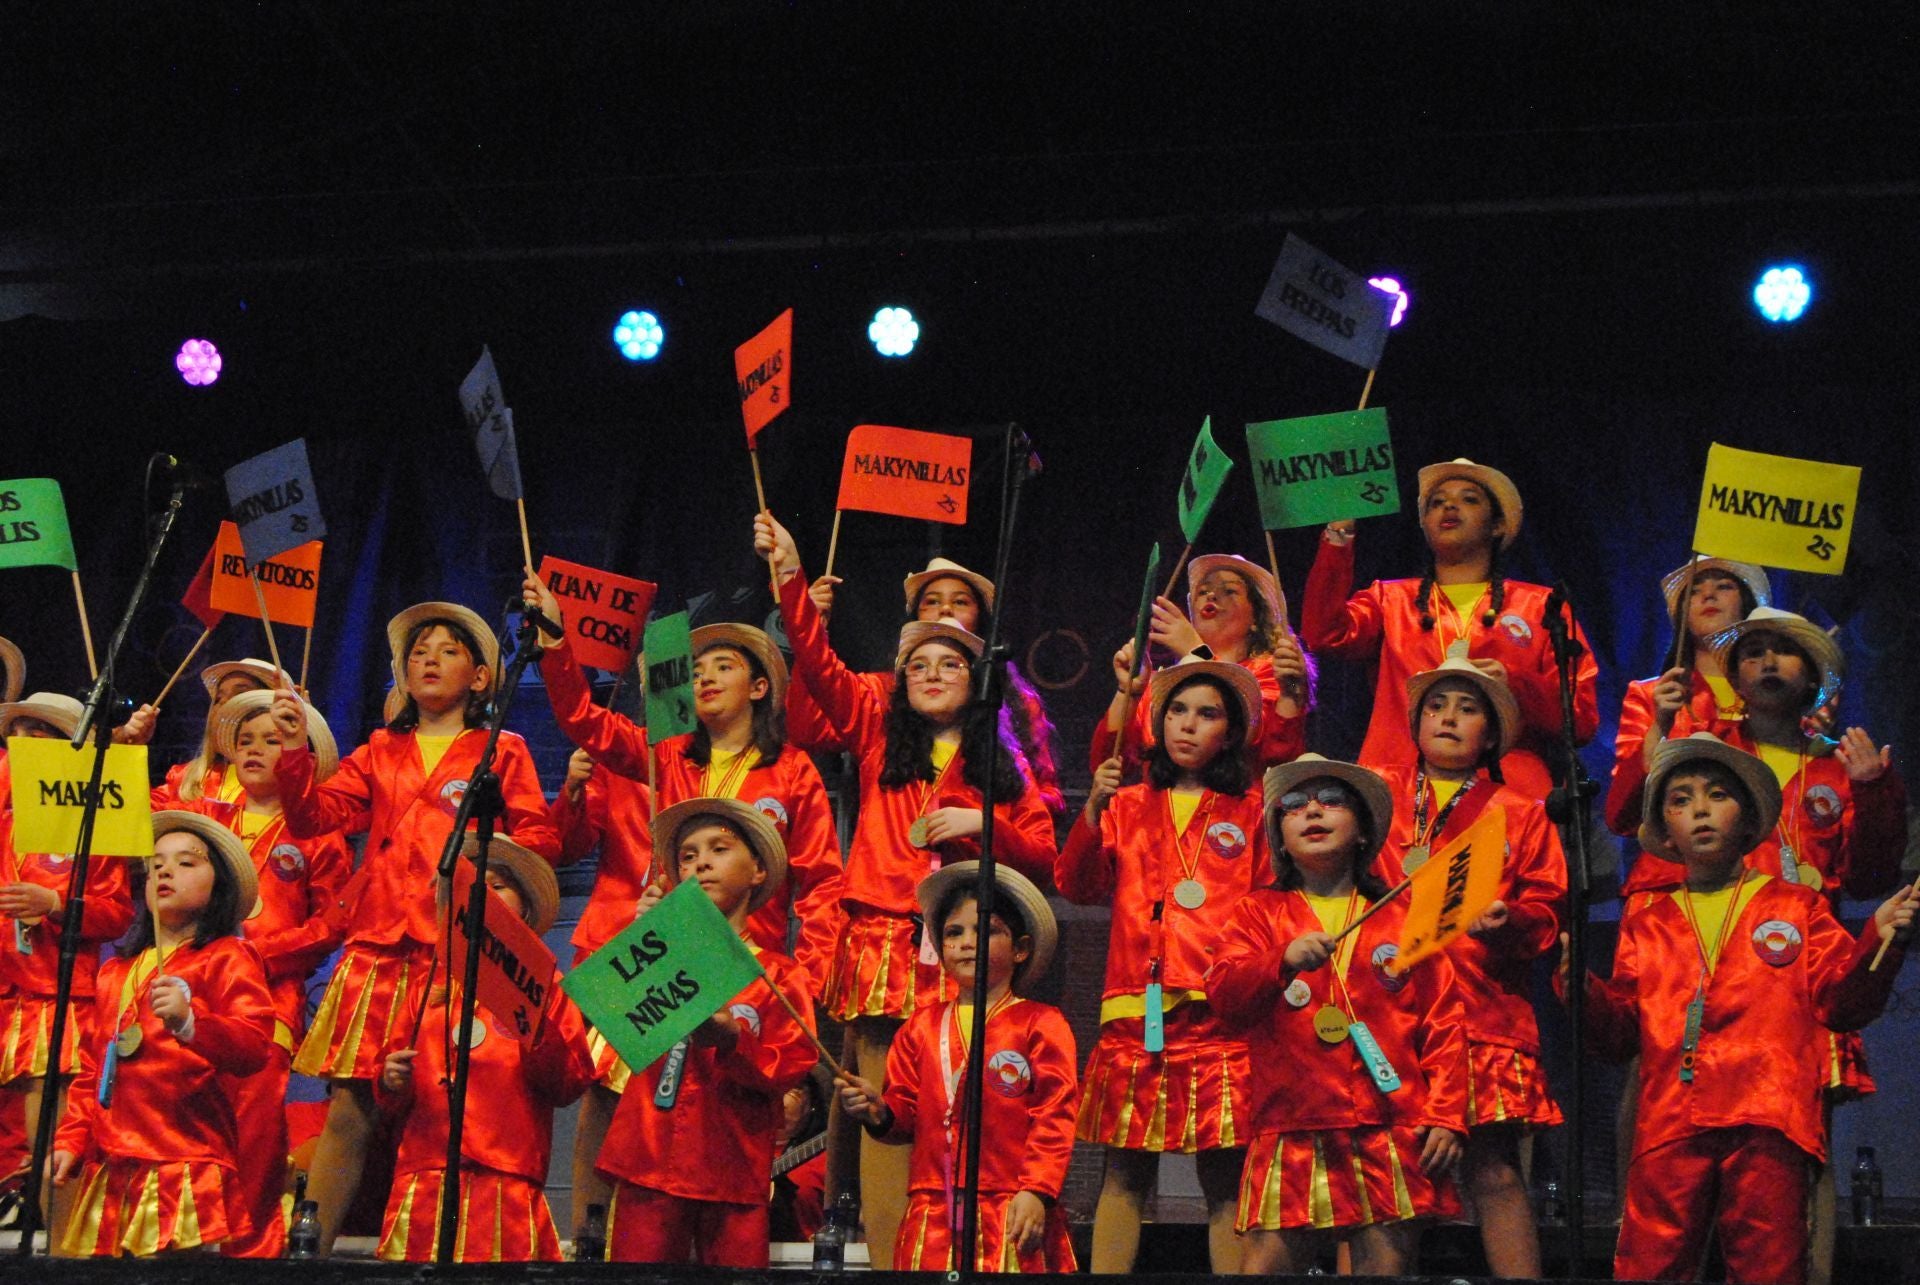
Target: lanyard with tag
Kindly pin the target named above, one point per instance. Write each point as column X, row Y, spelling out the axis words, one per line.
column 1697, row 1008
column 1423, row 834
column 125, row 1039
column 1333, row 1026
column 951, row 1077
column 1188, row 894
column 672, row 1074
column 917, row 836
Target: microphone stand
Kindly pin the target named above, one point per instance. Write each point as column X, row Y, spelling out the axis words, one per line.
column 1567, row 807
column 483, row 804
column 989, row 678
column 94, row 724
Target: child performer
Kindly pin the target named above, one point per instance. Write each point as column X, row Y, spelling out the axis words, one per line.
column 403, row 787
column 925, row 756
column 208, row 775
column 298, row 920
column 1172, row 856
column 1239, row 616
column 1470, row 515
column 150, row 1134
column 33, row 899
column 1723, row 986
column 1723, row 593
column 1463, row 721
column 1027, row 1111
column 514, row 1085
column 1358, row 1100
column 691, row 1147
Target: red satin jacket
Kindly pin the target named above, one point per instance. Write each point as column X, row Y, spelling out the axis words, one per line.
column 611, row 815
column 302, row 912
column 108, row 912
column 1625, row 792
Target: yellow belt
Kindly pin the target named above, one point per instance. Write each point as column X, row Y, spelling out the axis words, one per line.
column 1115, row 1007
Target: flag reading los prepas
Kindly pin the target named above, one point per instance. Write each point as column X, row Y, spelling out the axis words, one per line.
column 1453, row 889
column 289, row 581
column 1322, row 468
column 1207, row 469
column 763, row 370
column 1315, row 299
column 33, row 525
column 906, row 472
column 1776, row 511
column 274, row 502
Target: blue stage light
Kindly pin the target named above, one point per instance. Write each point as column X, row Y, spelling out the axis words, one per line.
column 1783, row 293
column 639, row 336
column 894, row 332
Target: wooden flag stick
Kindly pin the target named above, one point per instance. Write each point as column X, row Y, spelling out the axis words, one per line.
column 760, row 494
column 192, row 651
column 833, row 541
column 306, row 654
column 1368, row 390
column 526, row 544
column 653, row 785
column 1178, row 567
column 1681, row 612
column 86, row 630
column 806, row 1029
column 1885, row 942
column 1369, row 912
column 273, row 648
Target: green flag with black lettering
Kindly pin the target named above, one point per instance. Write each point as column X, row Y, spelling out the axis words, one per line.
column 1207, row 469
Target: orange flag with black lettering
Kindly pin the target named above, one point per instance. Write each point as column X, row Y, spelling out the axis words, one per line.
column 763, row 367
column 907, row 473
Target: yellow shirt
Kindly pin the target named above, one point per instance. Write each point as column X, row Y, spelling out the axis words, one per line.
column 253, row 823
column 1786, row 763
column 1184, row 803
column 1464, row 596
column 1331, row 911
column 943, row 752
column 725, row 770
column 230, row 785
column 1443, row 791
column 1712, row 910
column 1726, row 702
column 433, row 749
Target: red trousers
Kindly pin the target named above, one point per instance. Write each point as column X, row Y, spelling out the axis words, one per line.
column 648, row 1226
column 1748, row 1184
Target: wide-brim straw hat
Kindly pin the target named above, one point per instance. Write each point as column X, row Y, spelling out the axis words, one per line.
column 1810, row 638
column 1009, row 883
column 1258, row 577
column 1506, row 710
column 15, row 663
column 403, row 624
column 945, row 569
column 1673, row 755
column 238, row 709
column 1496, row 484
column 1237, row 680
column 56, row 709
column 916, row 633
column 253, row 667
column 753, row 824
column 531, row 874
column 1373, row 792
column 755, row 643
column 1753, row 577
column 226, row 847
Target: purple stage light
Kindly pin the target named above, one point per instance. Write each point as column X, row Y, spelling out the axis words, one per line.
column 198, row 361
column 1389, row 285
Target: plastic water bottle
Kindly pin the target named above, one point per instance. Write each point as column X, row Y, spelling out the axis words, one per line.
column 303, row 1238
column 1552, row 1208
column 1866, row 1189
column 830, row 1242
column 590, row 1242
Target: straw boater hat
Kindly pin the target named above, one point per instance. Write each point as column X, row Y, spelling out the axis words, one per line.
column 403, row 624
column 1007, row 882
column 1506, row 710
column 530, row 872
column 1810, row 638
column 1496, row 484
column 750, row 821
column 1754, row 578
column 15, row 664
column 225, row 847
column 917, row 632
column 1236, row 679
column 238, row 709
column 1253, row 573
column 55, row 709
column 945, row 569
column 1373, row 792
column 261, row 670
column 1676, row 754
column 755, row 643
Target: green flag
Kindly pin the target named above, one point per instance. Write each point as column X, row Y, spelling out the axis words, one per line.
column 1207, row 470
column 670, row 970
column 1142, row 621
column 1323, row 468
column 33, row 525
column 669, row 649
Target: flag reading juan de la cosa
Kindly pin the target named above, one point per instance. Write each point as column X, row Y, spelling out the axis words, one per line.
column 907, row 472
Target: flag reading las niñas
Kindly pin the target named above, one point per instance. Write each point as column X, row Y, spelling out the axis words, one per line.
column 1453, row 889
column 907, row 473
column 50, row 791
column 1776, row 511
column 1322, row 468
column 763, row 367
column 33, row 526
column 1207, row 469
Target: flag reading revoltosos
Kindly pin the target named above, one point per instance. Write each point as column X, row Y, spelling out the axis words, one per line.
column 1776, row 511
column 289, row 581
column 1453, row 889
column 1207, row 469
column 669, row 648
column 51, row 785
column 1312, row 297
column 1323, row 468
column 274, row 502
column 763, row 369
column 33, row 525
column 605, row 613
column 906, row 472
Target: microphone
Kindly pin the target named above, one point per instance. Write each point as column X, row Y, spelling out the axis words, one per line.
column 185, row 476
column 1556, row 600
column 1025, row 443
column 538, row 617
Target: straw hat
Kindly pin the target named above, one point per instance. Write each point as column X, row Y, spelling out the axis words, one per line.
column 238, row 709
column 757, row 828
column 1235, row 679
column 917, row 632
column 1810, row 638
column 942, row 569
column 1373, row 792
column 260, row 670
column 1253, row 573
column 1673, row 755
column 1506, row 710
column 1007, row 882
column 15, row 664
column 755, row 643
column 1753, row 577
column 1492, row 480
column 403, row 624
column 530, row 872
column 56, row 709
column 226, row 847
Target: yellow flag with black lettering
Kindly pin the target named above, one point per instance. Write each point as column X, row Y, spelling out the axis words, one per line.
column 1454, row 888
column 1776, row 511
column 50, row 790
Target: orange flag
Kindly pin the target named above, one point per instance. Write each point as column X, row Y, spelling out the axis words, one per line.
column 289, row 581
column 198, row 597
column 764, row 366
column 907, row 473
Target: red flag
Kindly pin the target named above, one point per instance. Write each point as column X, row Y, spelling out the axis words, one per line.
column 764, row 368
column 605, row 612
column 197, row 598
column 907, row 473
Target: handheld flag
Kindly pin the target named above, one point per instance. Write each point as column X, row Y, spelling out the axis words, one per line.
column 197, row 599
column 1322, row 468
column 485, row 406
column 274, row 502
column 1454, row 889
column 1143, row 619
column 289, row 583
column 1207, row 469
column 763, row 367
column 516, row 968
column 1313, row 298
column 605, row 613
column 907, row 473
column 669, row 648
column 1776, row 511
column 33, row 525
column 50, row 780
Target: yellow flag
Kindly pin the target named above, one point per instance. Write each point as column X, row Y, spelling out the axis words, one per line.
column 50, row 780
column 1454, row 888
column 1776, row 511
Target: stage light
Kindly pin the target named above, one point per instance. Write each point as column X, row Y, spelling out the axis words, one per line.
column 894, row 332
column 198, row 361
column 1388, row 285
column 639, row 336
column 1783, row 293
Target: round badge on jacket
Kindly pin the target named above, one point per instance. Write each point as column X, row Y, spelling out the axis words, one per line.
column 1226, row 839
column 1383, row 955
column 747, row 1015
column 1777, row 942
column 1009, row 1074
